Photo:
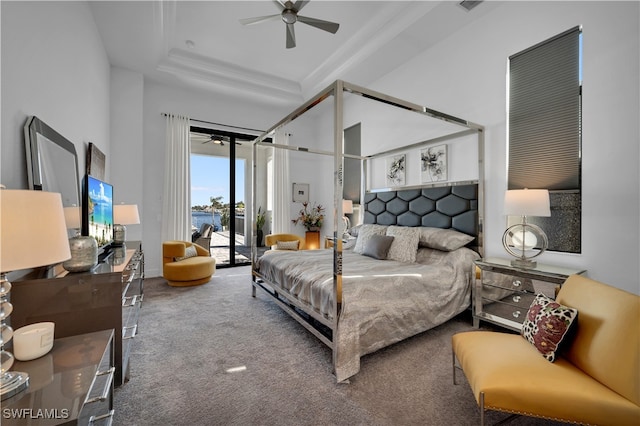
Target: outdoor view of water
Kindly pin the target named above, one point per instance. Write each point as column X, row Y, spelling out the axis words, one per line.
column 198, row 218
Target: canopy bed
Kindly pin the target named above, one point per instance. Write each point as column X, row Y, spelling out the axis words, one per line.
column 361, row 298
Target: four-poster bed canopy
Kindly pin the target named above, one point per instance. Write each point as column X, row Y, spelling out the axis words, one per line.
column 353, row 303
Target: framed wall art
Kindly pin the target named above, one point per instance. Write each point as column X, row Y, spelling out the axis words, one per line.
column 95, row 162
column 301, row 192
column 433, row 164
column 396, row 170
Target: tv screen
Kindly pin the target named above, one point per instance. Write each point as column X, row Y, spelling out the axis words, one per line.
column 97, row 211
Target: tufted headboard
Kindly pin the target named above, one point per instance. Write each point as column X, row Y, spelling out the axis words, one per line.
column 439, row 207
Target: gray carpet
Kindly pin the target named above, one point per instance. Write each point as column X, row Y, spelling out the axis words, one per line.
column 189, row 338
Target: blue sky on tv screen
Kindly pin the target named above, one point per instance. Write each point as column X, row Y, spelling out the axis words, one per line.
column 102, row 196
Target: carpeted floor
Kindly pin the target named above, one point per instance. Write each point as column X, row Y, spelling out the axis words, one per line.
column 191, row 340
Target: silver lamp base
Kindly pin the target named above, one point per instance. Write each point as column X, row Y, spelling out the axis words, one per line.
column 524, row 263
column 84, row 254
column 524, row 241
column 119, row 234
column 12, row 383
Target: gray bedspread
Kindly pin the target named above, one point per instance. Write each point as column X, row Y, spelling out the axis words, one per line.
column 383, row 301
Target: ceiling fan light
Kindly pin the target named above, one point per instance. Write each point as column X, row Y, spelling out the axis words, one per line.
column 289, row 16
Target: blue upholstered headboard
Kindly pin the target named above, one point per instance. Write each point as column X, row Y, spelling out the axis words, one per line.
column 440, row 207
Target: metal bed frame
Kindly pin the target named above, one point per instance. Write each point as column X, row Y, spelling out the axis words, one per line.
column 315, row 322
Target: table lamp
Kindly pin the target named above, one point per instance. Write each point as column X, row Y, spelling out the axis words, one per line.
column 33, row 234
column 84, row 249
column 123, row 214
column 522, row 239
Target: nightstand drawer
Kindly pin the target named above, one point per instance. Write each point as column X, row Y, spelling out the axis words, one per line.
column 506, row 281
column 504, row 314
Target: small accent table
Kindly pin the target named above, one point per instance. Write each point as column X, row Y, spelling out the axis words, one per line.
column 504, row 293
column 71, row 385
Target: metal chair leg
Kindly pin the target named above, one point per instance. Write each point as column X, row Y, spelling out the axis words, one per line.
column 453, row 363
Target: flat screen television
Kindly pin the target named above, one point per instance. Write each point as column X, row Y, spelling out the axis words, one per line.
column 97, row 211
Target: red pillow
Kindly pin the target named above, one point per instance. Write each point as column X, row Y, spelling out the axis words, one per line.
column 547, row 325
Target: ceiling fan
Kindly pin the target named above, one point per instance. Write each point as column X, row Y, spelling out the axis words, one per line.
column 289, row 15
column 207, row 138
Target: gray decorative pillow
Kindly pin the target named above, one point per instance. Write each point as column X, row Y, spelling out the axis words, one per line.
column 188, row 252
column 365, row 232
column 378, row 246
column 287, row 245
column 443, row 239
column 405, row 243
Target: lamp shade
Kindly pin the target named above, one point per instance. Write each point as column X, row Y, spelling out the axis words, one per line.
column 347, row 206
column 527, row 202
column 126, row 214
column 32, row 230
column 72, row 217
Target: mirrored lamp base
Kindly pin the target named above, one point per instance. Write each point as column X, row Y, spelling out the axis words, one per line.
column 12, row 383
column 119, row 234
column 524, row 263
column 84, row 254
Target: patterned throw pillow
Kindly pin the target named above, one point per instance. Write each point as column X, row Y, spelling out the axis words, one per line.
column 547, row 325
column 188, row 252
column 287, row 245
column 365, row 232
column 405, row 243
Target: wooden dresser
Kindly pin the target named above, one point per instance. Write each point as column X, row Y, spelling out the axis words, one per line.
column 107, row 297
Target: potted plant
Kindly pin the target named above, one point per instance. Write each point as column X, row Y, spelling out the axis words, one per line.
column 260, row 220
column 311, row 217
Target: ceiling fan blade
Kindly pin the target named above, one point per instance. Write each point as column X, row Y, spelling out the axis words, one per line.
column 259, row 19
column 300, row 4
column 291, row 36
column 331, row 27
column 280, row 4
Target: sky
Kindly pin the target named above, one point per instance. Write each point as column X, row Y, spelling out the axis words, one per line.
column 210, row 178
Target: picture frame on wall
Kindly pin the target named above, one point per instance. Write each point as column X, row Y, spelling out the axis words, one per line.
column 396, row 170
column 301, row 192
column 95, row 162
column 434, row 164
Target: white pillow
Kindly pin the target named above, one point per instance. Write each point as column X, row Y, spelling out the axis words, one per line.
column 188, row 252
column 405, row 243
column 287, row 245
column 443, row 239
column 365, row 232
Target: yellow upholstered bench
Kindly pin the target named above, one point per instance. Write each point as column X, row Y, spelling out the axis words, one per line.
column 191, row 271
column 595, row 380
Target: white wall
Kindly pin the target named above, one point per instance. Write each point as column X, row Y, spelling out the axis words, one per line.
column 465, row 75
column 127, row 164
column 54, row 66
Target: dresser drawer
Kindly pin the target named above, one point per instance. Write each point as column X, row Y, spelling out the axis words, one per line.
column 98, row 405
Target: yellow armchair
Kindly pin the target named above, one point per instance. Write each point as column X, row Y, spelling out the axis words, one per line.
column 596, row 380
column 183, row 272
column 271, row 240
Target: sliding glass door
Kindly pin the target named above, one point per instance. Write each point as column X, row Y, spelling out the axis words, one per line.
column 220, row 189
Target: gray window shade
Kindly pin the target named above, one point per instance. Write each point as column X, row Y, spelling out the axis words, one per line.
column 544, row 115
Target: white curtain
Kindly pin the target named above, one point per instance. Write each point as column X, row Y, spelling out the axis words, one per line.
column 281, row 185
column 176, row 205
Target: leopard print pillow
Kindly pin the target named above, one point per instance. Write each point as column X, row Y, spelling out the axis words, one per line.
column 548, row 325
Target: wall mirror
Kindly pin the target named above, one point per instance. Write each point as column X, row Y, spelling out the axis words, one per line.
column 52, row 163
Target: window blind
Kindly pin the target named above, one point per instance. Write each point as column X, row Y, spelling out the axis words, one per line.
column 544, row 115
